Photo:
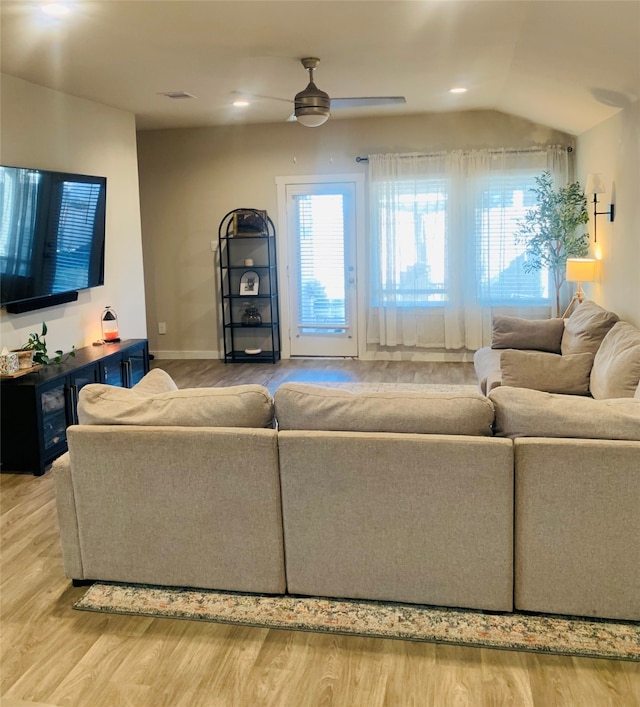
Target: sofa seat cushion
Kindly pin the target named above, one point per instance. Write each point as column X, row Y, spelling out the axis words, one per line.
column 549, row 372
column 585, row 329
column 235, row 406
column 309, row 407
column 521, row 412
column 533, row 334
column 616, row 367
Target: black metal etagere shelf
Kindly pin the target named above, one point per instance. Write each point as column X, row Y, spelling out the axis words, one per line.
column 247, row 244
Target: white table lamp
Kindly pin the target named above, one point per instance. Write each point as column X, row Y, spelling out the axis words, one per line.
column 579, row 270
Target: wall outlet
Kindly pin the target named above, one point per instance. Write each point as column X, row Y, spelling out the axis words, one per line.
column 162, row 327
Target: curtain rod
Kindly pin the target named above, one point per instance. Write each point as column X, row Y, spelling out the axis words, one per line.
column 514, row 151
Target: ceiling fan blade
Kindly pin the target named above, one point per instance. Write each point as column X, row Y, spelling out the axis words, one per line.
column 366, row 101
column 249, row 96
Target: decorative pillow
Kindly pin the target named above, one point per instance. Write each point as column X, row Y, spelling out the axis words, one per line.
column 156, row 381
column 310, row 407
column 532, row 413
column 532, row 334
column 236, row 406
column 585, row 329
column 616, row 367
column 546, row 371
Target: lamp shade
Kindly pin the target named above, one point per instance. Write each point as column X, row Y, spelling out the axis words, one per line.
column 595, row 184
column 581, row 269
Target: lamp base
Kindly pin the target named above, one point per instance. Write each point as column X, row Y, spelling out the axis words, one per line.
column 578, row 297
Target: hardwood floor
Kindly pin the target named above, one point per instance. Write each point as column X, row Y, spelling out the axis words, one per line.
column 53, row 655
column 200, row 373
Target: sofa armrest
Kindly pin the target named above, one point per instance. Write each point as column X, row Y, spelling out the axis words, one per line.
column 67, row 517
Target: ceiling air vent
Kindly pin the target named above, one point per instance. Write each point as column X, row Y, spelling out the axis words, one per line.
column 177, row 94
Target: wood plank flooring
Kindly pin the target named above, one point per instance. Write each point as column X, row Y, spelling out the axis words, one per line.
column 53, row 655
column 199, row 373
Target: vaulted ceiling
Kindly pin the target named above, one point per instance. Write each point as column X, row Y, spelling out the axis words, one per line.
column 568, row 64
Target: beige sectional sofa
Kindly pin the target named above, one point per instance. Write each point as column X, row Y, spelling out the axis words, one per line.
column 590, row 353
column 432, row 498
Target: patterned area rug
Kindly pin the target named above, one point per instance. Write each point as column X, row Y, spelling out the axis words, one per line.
column 545, row 634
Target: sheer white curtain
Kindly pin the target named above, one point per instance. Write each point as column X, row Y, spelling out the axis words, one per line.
column 442, row 252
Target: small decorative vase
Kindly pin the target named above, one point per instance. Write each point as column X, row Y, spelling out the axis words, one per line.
column 251, row 316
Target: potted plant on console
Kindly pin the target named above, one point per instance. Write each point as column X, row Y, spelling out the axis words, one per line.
column 37, row 346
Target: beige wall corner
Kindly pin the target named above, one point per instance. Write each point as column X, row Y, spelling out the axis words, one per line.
column 613, row 150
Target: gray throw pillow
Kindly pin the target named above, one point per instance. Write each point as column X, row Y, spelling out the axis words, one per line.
column 616, row 367
column 549, row 372
column 585, row 329
column 532, row 334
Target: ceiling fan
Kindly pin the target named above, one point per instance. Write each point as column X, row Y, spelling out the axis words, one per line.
column 313, row 106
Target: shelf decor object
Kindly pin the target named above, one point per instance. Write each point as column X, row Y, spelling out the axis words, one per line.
column 250, row 283
column 250, row 331
column 249, row 222
column 251, row 316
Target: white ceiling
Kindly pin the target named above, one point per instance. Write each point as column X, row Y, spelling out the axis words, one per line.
column 569, row 64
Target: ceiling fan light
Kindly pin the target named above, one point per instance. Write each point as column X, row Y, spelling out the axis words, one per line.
column 312, row 117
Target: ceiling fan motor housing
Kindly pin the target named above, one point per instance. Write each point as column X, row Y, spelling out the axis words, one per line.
column 312, row 106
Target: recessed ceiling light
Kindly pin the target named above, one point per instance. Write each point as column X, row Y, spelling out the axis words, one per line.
column 241, row 103
column 56, row 9
column 458, row 89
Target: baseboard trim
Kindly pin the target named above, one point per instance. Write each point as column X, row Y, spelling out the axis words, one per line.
column 448, row 357
column 159, row 355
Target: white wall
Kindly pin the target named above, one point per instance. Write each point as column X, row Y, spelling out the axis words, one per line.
column 47, row 129
column 613, row 149
column 191, row 178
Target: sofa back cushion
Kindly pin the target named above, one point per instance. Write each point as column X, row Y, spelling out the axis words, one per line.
column 616, row 367
column 310, row 407
column 532, row 413
column 547, row 371
column 533, row 334
column 585, row 329
column 236, row 406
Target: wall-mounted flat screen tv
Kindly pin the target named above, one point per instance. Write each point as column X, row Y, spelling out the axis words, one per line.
column 52, row 236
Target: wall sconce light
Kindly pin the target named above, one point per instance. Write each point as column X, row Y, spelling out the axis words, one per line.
column 595, row 186
column 579, row 270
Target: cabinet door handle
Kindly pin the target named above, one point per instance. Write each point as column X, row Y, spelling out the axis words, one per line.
column 73, row 400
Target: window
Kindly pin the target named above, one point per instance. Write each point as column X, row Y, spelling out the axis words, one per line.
column 321, row 285
column 412, row 257
column 500, row 276
column 443, row 247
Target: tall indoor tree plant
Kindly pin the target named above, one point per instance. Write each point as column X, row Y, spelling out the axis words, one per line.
column 551, row 230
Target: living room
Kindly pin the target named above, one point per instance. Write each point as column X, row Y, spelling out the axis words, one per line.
column 168, row 189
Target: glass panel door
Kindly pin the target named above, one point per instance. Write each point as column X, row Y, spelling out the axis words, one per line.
column 322, row 269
